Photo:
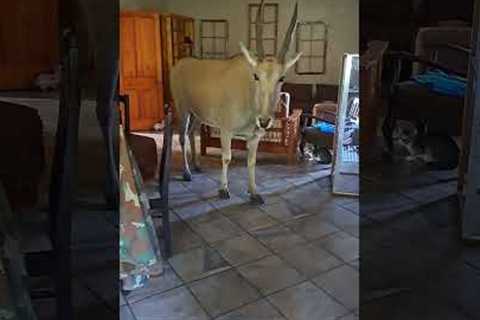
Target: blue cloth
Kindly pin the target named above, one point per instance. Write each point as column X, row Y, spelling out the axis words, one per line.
column 442, row 83
column 324, row 127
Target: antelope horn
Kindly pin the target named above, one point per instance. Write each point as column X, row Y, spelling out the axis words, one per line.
column 289, row 36
column 259, row 32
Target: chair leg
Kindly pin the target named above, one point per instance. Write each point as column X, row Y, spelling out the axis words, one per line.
column 167, row 235
column 387, row 130
column 302, row 145
column 292, row 154
column 203, row 143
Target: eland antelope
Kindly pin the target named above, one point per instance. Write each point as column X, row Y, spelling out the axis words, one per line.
column 238, row 96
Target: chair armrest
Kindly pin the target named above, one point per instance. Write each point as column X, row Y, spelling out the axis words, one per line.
column 400, row 56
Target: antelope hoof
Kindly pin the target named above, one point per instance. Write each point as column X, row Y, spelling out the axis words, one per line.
column 256, row 199
column 156, row 270
column 187, row 176
column 224, row 194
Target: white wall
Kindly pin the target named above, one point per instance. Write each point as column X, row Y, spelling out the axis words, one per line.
column 340, row 15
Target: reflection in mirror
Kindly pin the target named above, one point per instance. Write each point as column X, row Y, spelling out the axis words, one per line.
column 345, row 169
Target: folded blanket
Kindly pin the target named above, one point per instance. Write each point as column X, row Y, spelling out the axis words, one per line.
column 442, row 83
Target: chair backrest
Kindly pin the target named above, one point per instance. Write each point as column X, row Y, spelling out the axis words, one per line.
column 371, row 68
column 372, row 61
column 326, row 110
column 438, row 44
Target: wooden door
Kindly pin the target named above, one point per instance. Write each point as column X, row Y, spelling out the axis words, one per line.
column 28, row 41
column 469, row 180
column 141, row 68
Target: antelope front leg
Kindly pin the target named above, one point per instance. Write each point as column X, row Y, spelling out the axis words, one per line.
column 226, row 141
column 252, row 146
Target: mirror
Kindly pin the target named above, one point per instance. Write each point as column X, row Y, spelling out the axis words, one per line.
column 345, row 167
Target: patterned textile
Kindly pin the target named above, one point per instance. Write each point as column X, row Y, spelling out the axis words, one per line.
column 139, row 247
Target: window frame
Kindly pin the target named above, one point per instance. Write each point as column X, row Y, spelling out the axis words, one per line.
column 214, row 55
column 251, row 24
column 311, row 56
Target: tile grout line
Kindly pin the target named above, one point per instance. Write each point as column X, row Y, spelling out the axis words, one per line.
column 235, row 268
column 261, row 295
column 307, row 278
column 331, row 295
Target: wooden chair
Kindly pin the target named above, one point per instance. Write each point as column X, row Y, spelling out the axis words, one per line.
column 159, row 206
column 371, row 96
column 55, row 263
column 63, row 177
column 282, row 138
column 325, row 112
column 436, row 48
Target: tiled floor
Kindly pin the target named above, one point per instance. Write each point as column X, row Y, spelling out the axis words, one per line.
column 296, row 257
column 414, row 263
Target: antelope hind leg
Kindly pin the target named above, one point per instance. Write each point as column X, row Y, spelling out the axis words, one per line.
column 193, row 149
column 187, row 174
column 226, row 142
column 252, row 146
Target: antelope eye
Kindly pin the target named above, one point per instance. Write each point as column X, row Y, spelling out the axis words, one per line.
column 282, row 79
column 255, row 77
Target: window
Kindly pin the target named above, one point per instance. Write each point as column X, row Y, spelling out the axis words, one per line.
column 270, row 27
column 213, row 39
column 312, row 41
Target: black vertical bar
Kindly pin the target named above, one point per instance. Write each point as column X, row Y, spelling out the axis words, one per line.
column 66, row 180
column 164, row 178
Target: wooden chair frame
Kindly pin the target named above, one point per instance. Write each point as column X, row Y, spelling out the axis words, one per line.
column 288, row 131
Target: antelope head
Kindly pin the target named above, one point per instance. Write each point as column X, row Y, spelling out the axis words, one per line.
column 268, row 73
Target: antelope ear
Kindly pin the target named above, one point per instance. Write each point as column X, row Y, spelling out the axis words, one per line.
column 247, row 55
column 291, row 62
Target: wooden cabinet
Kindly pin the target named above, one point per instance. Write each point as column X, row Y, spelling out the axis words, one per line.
column 28, row 41
column 150, row 45
column 141, row 75
column 178, row 35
